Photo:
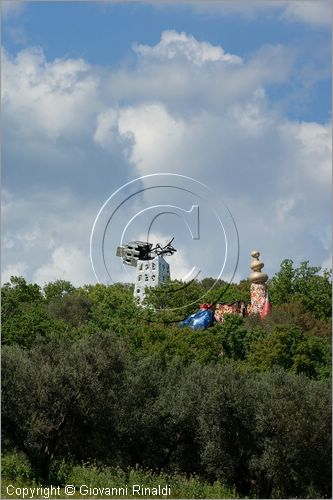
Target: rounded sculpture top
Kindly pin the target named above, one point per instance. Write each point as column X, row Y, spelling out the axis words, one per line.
column 256, row 265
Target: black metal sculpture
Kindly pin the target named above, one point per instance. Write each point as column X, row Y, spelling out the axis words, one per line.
column 168, row 249
column 140, row 250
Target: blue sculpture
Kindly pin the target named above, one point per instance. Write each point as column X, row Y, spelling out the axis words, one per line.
column 199, row 320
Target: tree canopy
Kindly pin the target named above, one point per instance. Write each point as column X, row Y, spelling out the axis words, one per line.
column 89, row 375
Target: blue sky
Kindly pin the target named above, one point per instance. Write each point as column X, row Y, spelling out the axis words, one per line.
column 103, row 34
column 237, row 95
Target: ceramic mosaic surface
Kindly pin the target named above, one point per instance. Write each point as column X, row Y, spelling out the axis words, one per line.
column 258, row 296
column 235, row 308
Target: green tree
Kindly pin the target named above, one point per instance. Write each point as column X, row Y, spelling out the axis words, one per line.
column 72, row 308
column 30, row 321
column 226, row 420
column 190, row 345
column 234, row 336
column 221, row 291
column 313, row 358
column 292, row 456
column 287, row 347
column 293, row 314
column 61, row 397
column 275, row 349
column 174, row 300
column 113, row 307
column 281, row 287
column 57, row 289
column 25, row 315
column 265, row 433
column 18, row 292
column 303, row 285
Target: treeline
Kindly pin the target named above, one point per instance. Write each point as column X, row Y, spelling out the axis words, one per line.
column 267, row 434
column 295, row 336
column 89, row 376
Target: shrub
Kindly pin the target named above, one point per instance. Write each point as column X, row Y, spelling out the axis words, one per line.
column 15, row 466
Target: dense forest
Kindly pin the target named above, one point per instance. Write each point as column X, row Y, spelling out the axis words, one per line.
column 89, row 379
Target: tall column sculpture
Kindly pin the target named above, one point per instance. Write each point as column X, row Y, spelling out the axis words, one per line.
column 259, row 291
column 151, row 268
column 150, row 273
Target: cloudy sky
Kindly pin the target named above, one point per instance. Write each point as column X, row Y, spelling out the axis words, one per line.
column 236, row 95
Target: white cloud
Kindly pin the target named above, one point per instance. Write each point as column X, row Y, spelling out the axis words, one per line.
column 315, row 149
column 74, row 134
column 7, row 241
column 313, row 12
column 56, row 99
column 155, row 132
column 249, row 132
column 10, row 8
column 327, row 263
column 17, row 35
column 50, row 233
column 29, row 238
column 17, row 269
column 109, row 135
column 187, row 87
column 107, row 127
column 273, row 173
column 284, row 209
column 67, row 262
column 175, row 45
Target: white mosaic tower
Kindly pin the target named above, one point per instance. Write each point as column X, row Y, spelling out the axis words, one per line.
column 150, row 273
column 151, row 268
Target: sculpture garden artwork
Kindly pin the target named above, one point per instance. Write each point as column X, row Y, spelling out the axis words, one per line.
column 259, row 290
column 152, row 268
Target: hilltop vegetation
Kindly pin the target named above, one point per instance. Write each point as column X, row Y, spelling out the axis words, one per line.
column 87, row 376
